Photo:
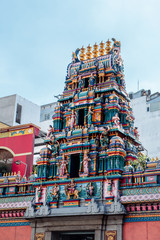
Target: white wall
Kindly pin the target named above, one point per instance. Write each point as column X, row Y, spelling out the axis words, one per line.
column 30, row 111
column 7, row 109
column 148, row 124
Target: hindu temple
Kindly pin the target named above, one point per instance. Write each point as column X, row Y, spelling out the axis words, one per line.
column 92, row 181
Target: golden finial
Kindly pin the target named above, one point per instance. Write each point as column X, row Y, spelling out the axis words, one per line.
column 12, row 174
column 95, row 50
column 4, row 174
column 101, row 49
column 89, row 53
column 9, row 174
column 82, row 54
column 108, row 47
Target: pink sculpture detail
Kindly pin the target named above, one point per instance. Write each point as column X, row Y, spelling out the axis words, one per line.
column 73, row 120
column 86, row 160
column 136, row 132
column 50, row 131
column 115, row 120
column 63, row 167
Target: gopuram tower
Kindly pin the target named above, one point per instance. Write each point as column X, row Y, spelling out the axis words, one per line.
column 91, row 142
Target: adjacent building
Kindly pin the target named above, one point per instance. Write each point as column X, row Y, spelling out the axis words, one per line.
column 15, row 110
column 146, row 109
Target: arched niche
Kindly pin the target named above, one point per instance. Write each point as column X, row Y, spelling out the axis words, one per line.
column 6, row 161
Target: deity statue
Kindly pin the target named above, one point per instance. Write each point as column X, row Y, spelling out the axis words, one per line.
column 18, row 177
column 71, row 190
column 39, row 192
column 85, row 163
column 75, row 56
column 73, row 120
column 109, row 188
column 50, row 131
column 63, row 167
column 90, row 189
column 104, row 139
column 136, row 132
column 90, row 113
column 55, row 145
column 91, row 80
column 80, row 83
column 54, row 192
column 116, row 121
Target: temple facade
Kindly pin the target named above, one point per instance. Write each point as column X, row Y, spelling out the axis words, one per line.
column 92, row 181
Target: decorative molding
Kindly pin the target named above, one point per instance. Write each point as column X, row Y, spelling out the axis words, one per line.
column 116, row 207
column 140, row 198
column 93, row 207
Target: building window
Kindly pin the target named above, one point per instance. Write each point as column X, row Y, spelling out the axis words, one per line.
column 18, row 113
column 147, row 109
column 46, row 116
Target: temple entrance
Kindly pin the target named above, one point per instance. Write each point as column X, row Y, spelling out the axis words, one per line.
column 81, row 117
column 77, row 236
column 74, row 165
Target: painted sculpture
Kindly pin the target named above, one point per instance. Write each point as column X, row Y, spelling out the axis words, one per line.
column 54, row 192
column 71, row 190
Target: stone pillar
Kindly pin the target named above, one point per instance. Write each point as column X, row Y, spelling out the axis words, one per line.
column 97, row 235
column 115, row 222
column 48, row 236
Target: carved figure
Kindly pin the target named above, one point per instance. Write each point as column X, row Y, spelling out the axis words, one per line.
column 89, row 116
column 71, row 190
column 90, row 189
column 73, row 120
column 18, row 177
column 109, row 188
column 63, row 167
column 55, row 146
column 104, row 140
column 80, row 83
column 85, row 162
column 136, row 132
column 91, row 80
column 75, row 56
column 115, row 120
column 55, row 191
column 50, row 131
column 39, row 192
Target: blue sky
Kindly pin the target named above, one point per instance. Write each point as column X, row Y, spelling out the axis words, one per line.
column 37, row 38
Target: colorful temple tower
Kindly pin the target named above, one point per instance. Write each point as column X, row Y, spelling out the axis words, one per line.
column 92, row 182
column 92, row 138
column 92, row 133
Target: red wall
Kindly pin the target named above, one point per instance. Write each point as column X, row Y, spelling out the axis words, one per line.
column 15, row 233
column 21, row 145
column 141, row 231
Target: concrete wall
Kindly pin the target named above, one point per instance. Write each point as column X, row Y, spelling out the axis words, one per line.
column 7, row 109
column 30, row 111
column 8, row 106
